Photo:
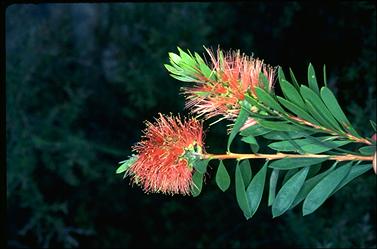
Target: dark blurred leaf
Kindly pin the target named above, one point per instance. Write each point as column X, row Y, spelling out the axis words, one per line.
column 368, row 150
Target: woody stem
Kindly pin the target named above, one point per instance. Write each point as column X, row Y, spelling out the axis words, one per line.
column 237, row 156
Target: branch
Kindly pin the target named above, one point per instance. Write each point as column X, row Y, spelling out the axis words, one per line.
column 348, row 157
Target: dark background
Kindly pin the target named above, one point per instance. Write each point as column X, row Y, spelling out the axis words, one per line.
column 82, row 78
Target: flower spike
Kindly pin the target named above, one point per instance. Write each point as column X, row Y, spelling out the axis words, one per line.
column 161, row 163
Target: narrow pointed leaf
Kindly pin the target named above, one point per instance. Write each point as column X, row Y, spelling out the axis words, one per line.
column 241, row 119
column 241, row 193
column 203, row 66
column 310, row 184
column 268, row 100
column 173, row 70
column 373, row 124
column 201, row 165
column 313, row 98
column 126, row 164
column 255, row 189
column 332, row 104
column 288, row 192
column 278, row 125
column 291, row 93
column 319, row 194
column 314, row 169
column 289, row 174
column 292, row 163
column 301, row 113
column 222, row 177
column 368, row 150
column 272, row 189
column 294, row 81
column 197, row 179
column 324, row 75
column 254, row 130
column 174, row 58
column 281, row 75
column 245, row 171
column 355, row 171
column 252, row 141
column 312, row 80
column 284, row 135
column 309, row 144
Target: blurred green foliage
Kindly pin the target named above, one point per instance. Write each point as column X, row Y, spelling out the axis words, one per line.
column 82, row 78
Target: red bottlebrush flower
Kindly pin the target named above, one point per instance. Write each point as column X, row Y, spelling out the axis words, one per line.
column 236, row 75
column 161, row 165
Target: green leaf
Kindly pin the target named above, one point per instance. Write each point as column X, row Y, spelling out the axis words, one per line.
column 281, row 75
column 289, row 174
column 272, row 189
column 186, row 58
column 332, row 104
column 292, row 163
column 222, row 177
column 240, row 121
column 355, row 171
column 255, row 189
column 173, row 70
column 126, row 164
column 183, row 78
column 253, row 102
column 252, row 141
column 245, row 171
column 313, row 98
column 203, row 66
column 297, row 110
column 277, row 125
column 309, row 185
column 309, row 145
column 294, row 81
column 254, row 130
column 291, row 93
column 201, row 165
column 319, row 194
column 373, row 124
column 312, row 80
column 324, row 75
column 268, row 100
column 197, row 179
column 314, row 169
column 368, row 150
column 284, row 135
column 174, row 58
column 288, row 192
column 241, row 193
